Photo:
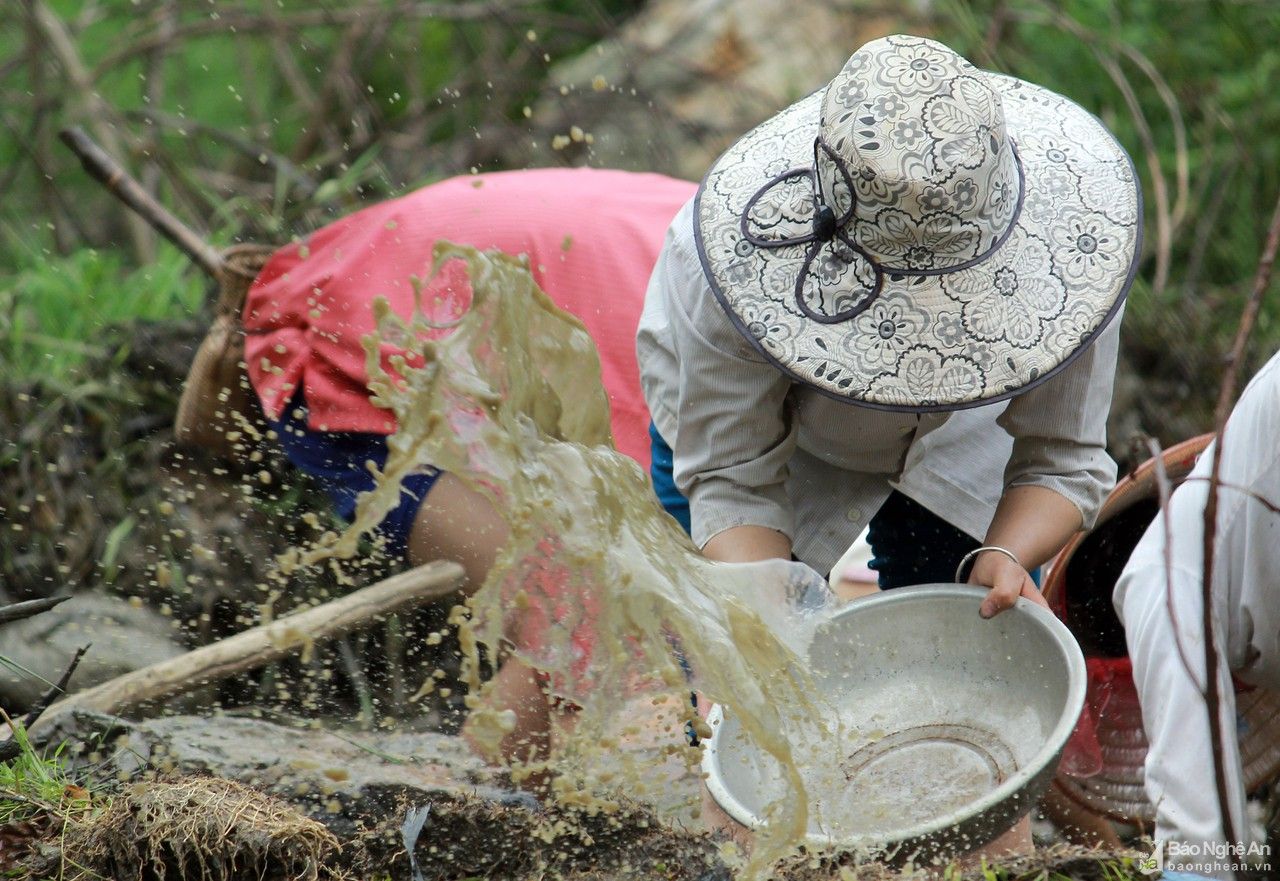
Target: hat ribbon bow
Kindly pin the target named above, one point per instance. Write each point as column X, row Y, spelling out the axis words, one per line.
column 826, row 233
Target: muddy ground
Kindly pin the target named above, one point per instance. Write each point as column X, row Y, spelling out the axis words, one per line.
column 303, row 769
column 293, row 800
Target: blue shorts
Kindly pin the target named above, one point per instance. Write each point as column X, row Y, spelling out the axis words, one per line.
column 335, row 460
column 664, row 483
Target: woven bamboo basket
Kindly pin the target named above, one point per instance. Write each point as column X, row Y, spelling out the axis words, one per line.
column 1116, row 792
column 216, row 397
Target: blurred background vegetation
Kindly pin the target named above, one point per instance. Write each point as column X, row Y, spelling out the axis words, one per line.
column 251, row 120
column 259, row 120
column 1190, row 88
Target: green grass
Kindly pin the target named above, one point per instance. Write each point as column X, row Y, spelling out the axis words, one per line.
column 1207, row 70
column 35, row 783
column 227, row 97
column 1215, row 62
column 54, row 310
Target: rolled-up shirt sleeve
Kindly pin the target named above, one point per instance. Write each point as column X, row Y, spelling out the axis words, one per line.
column 1059, row 429
column 715, row 400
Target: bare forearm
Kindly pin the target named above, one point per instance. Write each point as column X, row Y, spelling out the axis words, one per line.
column 1032, row 523
column 748, row 544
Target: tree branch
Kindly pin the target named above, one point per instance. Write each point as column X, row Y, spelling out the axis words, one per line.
column 103, row 168
column 336, row 17
column 97, row 110
column 19, row 611
column 258, row 153
column 10, row 749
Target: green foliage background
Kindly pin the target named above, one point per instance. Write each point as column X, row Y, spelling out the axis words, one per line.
column 255, row 120
column 1202, row 79
column 239, row 120
column 215, row 107
column 1189, row 86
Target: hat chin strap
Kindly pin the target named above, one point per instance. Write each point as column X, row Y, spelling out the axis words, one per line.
column 854, row 250
column 826, row 228
column 824, row 223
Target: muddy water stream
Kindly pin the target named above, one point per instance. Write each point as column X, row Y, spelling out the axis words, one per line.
column 509, row 399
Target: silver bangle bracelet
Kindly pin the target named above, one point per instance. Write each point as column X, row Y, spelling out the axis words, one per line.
column 969, row 557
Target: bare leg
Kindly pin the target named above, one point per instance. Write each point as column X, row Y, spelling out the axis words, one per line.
column 1016, row 841
column 515, row 687
column 456, row 523
column 848, row 590
column 721, row 825
column 1076, row 824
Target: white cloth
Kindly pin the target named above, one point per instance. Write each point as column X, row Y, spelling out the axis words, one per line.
column 752, row 447
column 1246, row 606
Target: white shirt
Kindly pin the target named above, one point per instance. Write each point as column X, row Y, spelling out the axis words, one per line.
column 1246, row 604
column 751, row 447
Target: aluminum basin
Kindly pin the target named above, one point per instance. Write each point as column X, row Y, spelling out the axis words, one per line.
column 946, row 727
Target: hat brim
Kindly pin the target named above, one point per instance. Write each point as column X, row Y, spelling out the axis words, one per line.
column 948, row 340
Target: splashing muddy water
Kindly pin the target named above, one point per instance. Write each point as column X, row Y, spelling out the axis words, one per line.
column 507, row 396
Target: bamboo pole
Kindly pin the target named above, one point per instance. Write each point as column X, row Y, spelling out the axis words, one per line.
column 265, row 643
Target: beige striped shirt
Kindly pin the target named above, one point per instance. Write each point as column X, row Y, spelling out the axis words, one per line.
column 751, row 447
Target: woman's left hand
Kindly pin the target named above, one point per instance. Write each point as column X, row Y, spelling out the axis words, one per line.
column 1007, row 580
column 1032, row 523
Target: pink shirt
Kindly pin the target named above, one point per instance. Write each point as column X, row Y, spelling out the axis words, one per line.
column 592, row 238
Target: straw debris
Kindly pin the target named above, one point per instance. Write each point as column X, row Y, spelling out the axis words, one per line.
column 200, row 829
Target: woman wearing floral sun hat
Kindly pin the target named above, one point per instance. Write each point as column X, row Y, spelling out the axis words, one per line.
column 919, row 244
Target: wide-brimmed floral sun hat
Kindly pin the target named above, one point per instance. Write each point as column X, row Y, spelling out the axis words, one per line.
column 921, row 234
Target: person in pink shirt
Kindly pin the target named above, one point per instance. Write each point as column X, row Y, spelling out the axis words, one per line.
column 591, row 238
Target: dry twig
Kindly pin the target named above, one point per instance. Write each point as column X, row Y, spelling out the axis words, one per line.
column 99, row 115
column 108, row 172
column 1165, row 489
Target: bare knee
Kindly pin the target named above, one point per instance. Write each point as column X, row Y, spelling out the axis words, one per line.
column 459, row 524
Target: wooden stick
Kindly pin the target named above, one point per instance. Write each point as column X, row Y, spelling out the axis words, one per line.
column 18, row 611
column 10, row 749
column 111, row 175
column 265, row 643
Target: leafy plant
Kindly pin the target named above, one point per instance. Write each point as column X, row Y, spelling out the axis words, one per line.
column 37, row 783
column 1186, row 87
